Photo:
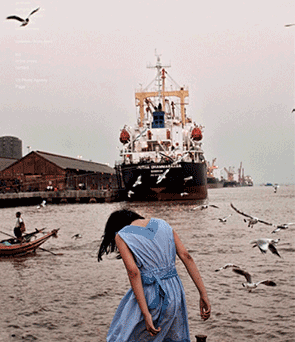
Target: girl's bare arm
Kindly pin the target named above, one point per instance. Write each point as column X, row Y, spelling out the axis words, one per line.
column 205, row 308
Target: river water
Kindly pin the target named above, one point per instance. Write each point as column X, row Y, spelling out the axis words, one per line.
column 72, row 297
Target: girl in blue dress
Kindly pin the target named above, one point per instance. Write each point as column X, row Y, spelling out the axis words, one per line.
column 154, row 309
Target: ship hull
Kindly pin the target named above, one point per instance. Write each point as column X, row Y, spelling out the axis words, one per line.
column 184, row 181
column 214, row 183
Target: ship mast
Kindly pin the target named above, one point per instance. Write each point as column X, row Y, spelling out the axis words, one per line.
column 161, row 93
column 160, row 78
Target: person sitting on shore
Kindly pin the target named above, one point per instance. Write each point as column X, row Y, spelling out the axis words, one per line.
column 20, row 227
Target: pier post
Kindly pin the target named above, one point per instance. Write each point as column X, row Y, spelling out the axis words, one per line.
column 201, row 338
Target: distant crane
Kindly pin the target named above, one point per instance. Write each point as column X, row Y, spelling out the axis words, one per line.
column 241, row 174
column 230, row 174
column 211, row 168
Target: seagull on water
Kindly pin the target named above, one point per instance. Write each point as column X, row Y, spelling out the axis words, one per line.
column 138, row 181
column 251, row 219
column 265, row 244
column 249, row 285
column 227, row 266
column 43, row 204
column 224, row 219
column 23, row 21
column 205, row 206
column 77, row 236
column 282, row 226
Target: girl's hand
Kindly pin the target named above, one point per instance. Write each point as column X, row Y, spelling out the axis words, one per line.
column 205, row 308
column 150, row 326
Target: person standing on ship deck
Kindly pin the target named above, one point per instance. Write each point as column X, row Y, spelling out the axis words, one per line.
column 154, row 309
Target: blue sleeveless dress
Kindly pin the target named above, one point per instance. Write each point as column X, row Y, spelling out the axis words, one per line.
column 154, row 251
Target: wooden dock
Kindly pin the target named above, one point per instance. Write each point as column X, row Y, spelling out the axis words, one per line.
column 58, row 197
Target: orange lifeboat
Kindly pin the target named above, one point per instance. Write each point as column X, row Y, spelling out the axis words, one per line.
column 196, row 134
column 124, row 136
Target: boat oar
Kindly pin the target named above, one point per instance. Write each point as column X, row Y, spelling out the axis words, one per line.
column 7, row 234
column 46, row 250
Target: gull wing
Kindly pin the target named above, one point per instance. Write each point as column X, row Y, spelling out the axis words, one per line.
column 269, row 224
column 224, row 218
column 267, row 283
column 214, row 206
column 15, row 17
column 37, row 9
column 198, row 206
column 273, row 249
column 276, row 230
column 226, row 266
column 244, row 273
column 240, row 212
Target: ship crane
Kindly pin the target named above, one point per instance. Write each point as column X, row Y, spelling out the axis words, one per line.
column 230, row 174
column 211, row 168
column 241, row 174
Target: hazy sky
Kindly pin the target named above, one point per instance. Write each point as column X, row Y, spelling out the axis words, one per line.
column 68, row 78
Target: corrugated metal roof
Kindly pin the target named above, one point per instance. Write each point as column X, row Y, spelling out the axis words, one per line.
column 76, row 164
column 5, row 162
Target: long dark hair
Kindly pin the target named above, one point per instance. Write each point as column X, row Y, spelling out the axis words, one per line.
column 117, row 220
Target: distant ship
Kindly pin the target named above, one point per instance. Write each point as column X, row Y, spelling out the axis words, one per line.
column 213, row 181
column 162, row 157
column 235, row 180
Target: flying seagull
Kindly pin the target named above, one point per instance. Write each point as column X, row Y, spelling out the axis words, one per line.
column 249, row 285
column 283, row 226
column 205, row 206
column 43, row 204
column 275, row 188
column 265, row 244
column 227, row 266
column 224, row 219
column 288, row 25
column 130, row 192
column 162, row 176
column 184, row 194
column 138, row 181
column 23, row 21
column 186, row 179
column 252, row 220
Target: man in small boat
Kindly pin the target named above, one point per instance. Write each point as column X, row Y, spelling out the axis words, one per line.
column 20, row 227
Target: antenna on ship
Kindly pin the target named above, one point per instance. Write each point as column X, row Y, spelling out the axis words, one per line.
column 159, row 78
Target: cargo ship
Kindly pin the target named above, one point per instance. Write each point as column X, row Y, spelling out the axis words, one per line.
column 213, row 181
column 237, row 179
column 161, row 156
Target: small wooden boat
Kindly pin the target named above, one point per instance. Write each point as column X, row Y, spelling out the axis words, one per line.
column 10, row 248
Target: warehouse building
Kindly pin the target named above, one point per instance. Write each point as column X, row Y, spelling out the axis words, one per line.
column 43, row 171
